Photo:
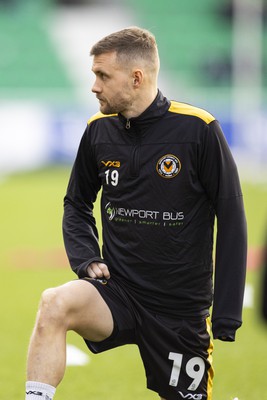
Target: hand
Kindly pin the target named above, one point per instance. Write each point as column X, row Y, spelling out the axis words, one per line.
column 98, row 270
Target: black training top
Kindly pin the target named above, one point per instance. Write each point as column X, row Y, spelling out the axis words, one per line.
column 164, row 176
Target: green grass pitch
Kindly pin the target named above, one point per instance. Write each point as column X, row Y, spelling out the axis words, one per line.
column 32, row 258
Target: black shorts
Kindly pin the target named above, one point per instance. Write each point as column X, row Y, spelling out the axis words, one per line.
column 176, row 354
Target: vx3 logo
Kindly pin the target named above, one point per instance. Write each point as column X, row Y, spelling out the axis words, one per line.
column 191, row 396
column 115, row 164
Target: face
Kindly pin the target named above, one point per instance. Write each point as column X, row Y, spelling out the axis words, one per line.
column 113, row 84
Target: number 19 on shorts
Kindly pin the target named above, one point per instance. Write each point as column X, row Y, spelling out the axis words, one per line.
column 195, row 369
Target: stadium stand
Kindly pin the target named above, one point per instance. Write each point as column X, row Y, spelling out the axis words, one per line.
column 194, row 39
column 39, row 62
column 194, row 42
column 30, row 65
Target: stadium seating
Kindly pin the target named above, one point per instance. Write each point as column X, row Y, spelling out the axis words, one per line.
column 194, row 38
column 29, row 61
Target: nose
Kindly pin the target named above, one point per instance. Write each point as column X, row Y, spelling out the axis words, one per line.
column 96, row 88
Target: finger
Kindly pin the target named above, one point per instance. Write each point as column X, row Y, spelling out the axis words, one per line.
column 98, row 270
column 104, row 269
column 93, row 271
column 90, row 272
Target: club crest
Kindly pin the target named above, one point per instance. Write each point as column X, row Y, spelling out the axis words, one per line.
column 168, row 166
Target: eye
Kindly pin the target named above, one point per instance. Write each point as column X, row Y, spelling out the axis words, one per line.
column 102, row 76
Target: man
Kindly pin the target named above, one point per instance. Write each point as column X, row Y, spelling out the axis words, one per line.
column 165, row 171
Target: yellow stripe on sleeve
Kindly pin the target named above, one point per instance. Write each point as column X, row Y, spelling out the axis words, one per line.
column 187, row 109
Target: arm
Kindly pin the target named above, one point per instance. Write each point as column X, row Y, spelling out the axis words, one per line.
column 220, row 179
column 79, row 225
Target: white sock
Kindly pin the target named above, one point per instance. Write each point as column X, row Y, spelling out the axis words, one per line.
column 39, row 391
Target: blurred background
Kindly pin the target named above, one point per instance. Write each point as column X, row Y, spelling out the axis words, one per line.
column 214, row 56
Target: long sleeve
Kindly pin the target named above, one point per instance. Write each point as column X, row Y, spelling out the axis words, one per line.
column 220, row 178
column 79, row 225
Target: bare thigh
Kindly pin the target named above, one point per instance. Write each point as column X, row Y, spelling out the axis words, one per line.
column 84, row 310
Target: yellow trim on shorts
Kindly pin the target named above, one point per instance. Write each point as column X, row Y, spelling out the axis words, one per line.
column 210, row 360
column 187, row 109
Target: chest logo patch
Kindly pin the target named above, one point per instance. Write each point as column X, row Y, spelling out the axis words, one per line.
column 168, row 166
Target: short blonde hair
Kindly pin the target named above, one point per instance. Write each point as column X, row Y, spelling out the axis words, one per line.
column 130, row 44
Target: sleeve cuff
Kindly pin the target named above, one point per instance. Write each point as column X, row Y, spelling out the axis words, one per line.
column 225, row 329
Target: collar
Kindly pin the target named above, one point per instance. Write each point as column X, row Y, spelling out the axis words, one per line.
column 154, row 112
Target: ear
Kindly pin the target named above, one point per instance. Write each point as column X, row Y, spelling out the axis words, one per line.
column 138, row 77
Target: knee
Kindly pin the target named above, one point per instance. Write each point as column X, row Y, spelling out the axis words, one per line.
column 52, row 310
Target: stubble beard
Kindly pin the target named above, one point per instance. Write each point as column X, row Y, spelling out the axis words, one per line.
column 115, row 106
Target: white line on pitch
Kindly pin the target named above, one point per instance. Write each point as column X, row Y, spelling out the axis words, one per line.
column 76, row 357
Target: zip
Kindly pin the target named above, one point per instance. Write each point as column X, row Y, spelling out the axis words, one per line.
column 135, row 155
column 135, row 158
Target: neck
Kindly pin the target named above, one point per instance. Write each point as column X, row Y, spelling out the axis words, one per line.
column 140, row 104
